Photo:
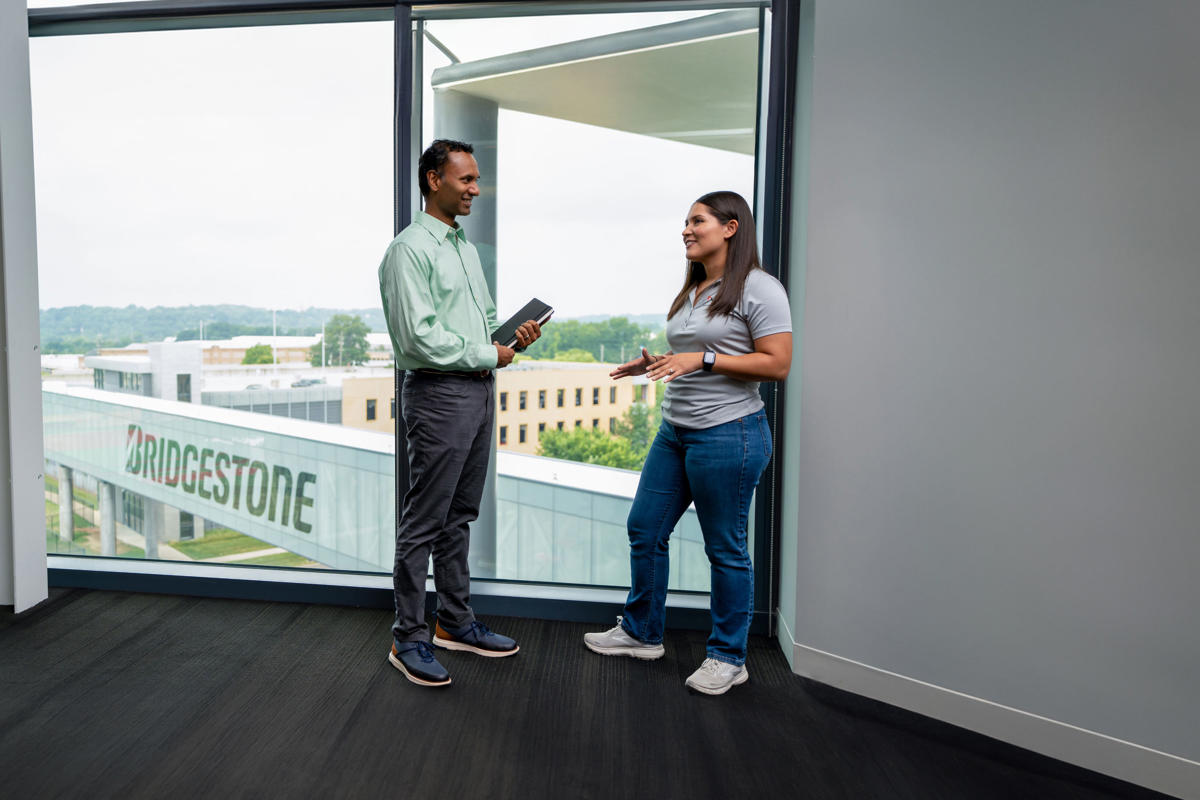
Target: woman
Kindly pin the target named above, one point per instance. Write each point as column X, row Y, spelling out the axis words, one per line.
column 729, row 328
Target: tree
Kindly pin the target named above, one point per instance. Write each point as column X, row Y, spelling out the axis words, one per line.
column 607, row 340
column 574, row 354
column 345, row 342
column 638, row 425
column 589, row 446
column 258, row 354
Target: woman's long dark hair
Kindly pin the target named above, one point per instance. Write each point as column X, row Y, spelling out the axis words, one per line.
column 741, row 258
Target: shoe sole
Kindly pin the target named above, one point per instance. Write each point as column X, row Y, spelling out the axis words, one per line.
column 738, row 681
column 640, row 653
column 398, row 664
column 470, row 648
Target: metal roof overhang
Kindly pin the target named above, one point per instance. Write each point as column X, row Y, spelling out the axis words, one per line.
column 684, row 81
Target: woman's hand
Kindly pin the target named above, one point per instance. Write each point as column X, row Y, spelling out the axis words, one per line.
column 637, row 366
column 674, row 365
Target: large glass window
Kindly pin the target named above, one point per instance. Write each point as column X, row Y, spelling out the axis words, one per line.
column 594, row 134
column 211, row 208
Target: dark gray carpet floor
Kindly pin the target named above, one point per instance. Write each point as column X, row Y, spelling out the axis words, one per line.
column 106, row 694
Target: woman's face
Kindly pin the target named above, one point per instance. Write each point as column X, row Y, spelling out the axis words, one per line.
column 705, row 236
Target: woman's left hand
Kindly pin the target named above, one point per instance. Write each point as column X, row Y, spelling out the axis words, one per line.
column 672, row 366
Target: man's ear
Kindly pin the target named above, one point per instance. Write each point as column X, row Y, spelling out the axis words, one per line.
column 433, row 179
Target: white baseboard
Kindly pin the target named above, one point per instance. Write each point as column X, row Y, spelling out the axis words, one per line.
column 1106, row 755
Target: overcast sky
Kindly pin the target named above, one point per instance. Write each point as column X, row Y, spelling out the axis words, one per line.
column 253, row 166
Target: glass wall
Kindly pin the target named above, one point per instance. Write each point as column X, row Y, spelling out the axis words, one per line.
column 213, row 204
column 210, row 203
column 594, row 134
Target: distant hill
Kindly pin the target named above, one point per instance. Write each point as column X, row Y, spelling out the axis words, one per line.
column 652, row 321
column 80, row 329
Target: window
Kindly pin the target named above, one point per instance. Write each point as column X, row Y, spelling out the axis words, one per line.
column 595, row 423
column 541, row 427
column 578, row 423
column 579, row 397
column 370, row 410
column 561, row 395
column 541, row 398
column 612, row 424
column 521, row 401
column 393, row 411
column 521, row 434
column 504, row 401
column 596, row 396
column 560, row 424
column 183, row 388
column 503, row 434
column 98, row 378
column 612, row 394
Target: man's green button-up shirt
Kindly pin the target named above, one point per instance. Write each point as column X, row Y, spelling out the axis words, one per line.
column 439, row 312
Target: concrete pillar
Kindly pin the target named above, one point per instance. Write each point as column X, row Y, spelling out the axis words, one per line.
column 461, row 116
column 152, row 525
column 66, row 504
column 107, row 498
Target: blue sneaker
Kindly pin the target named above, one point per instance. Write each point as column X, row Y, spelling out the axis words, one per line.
column 417, row 662
column 475, row 638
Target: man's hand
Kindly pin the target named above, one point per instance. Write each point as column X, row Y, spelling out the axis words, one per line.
column 528, row 333
column 504, row 355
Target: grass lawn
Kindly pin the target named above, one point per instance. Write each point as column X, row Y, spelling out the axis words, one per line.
column 82, row 495
column 279, row 560
column 219, row 542
column 87, row 538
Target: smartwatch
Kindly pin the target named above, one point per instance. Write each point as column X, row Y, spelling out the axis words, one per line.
column 710, row 358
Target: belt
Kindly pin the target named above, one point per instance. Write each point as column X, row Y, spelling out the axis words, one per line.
column 478, row 374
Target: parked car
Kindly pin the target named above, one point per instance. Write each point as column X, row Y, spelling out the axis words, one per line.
column 308, row 382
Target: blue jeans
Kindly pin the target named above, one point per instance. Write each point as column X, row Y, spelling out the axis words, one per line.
column 717, row 468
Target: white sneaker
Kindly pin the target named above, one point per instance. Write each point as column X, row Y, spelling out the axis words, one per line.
column 716, row 677
column 616, row 642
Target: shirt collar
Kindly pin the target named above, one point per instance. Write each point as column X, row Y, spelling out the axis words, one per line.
column 439, row 229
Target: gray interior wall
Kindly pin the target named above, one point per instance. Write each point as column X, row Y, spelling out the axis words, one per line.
column 998, row 453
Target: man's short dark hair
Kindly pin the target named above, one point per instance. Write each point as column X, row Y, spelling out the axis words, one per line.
column 435, row 157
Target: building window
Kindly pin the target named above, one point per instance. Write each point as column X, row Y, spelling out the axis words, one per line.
column 578, row 423
column 521, row 433
column 98, row 378
column 503, row 434
column 561, row 394
column 595, row 423
column 187, row 525
column 612, row 394
column 521, row 401
column 579, row 397
column 596, row 395
column 504, row 402
column 560, row 425
column 370, row 410
column 183, row 388
column 541, row 398
column 612, row 424
column 393, row 408
column 639, row 393
column 541, row 427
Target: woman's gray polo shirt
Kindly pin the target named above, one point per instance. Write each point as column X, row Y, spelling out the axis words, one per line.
column 704, row 399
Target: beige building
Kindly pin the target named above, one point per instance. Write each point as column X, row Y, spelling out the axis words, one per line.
column 288, row 349
column 531, row 397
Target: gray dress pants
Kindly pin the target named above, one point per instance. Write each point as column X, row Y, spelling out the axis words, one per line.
column 449, row 418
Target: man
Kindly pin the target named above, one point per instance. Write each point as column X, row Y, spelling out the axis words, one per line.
column 440, row 316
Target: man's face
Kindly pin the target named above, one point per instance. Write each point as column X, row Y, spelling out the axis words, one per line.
column 453, row 191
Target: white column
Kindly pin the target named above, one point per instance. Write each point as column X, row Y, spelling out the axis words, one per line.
column 66, row 504
column 108, row 518
column 23, row 579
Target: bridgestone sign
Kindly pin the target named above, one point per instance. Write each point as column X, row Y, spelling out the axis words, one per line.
column 222, row 478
